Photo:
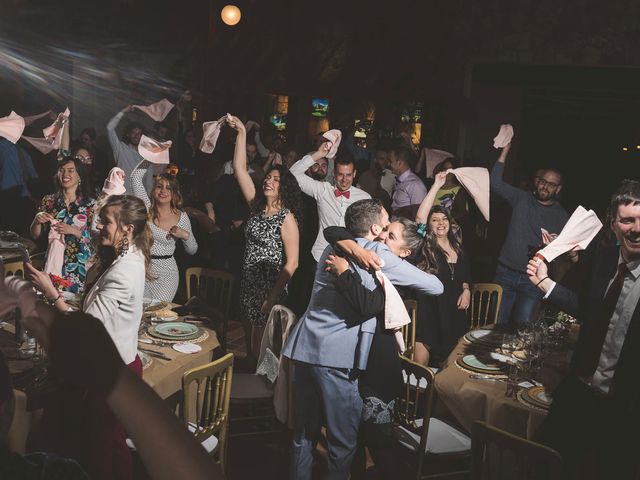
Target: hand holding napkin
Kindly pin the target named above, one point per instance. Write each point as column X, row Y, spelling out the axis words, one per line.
column 210, row 134
column 504, row 137
column 334, row 137
column 475, row 180
column 114, row 183
column 580, row 229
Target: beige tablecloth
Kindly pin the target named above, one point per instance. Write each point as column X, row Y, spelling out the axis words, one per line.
column 162, row 375
column 469, row 400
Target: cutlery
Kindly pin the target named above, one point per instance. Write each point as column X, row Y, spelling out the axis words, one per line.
column 153, row 353
column 490, row 378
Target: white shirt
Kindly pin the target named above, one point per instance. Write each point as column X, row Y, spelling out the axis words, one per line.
column 228, row 168
column 331, row 209
column 618, row 326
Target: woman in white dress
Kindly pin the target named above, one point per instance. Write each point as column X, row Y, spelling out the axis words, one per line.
column 168, row 223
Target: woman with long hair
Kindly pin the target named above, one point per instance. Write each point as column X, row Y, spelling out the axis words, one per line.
column 77, row 423
column 68, row 212
column 272, row 237
column 443, row 319
column 168, row 223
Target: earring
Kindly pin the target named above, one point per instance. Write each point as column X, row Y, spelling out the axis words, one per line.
column 123, row 247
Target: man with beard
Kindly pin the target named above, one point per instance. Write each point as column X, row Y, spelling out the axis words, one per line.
column 531, row 213
column 332, row 200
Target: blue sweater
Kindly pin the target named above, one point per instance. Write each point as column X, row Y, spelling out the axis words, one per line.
column 527, row 218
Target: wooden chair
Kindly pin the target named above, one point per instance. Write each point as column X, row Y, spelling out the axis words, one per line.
column 421, row 436
column 485, row 304
column 14, row 268
column 409, row 331
column 205, row 406
column 215, row 287
column 498, row 454
column 253, row 394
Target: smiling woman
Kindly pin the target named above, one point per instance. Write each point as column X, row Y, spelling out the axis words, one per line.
column 68, row 216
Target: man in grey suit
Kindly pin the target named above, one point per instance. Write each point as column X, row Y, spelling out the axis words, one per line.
column 330, row 346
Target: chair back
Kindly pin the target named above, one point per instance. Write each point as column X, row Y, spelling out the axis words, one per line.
column 14, row 268
column 409, row 330
column 485, row 304
column 499, row 454
column 206, row 404
column 215, row 288
column 415, row 402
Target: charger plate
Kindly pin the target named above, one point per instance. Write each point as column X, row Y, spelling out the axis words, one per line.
column 484, row 336
column 537, row 396
column 175, row 331
column 471, row 362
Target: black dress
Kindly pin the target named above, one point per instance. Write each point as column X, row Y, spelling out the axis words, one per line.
column 440, row 323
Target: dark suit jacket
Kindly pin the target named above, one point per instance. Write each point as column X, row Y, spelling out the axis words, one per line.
column 625, row 386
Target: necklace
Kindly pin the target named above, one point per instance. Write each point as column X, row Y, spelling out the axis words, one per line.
column 452, row 268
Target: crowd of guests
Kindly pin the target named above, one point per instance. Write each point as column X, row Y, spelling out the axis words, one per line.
column 308, row 231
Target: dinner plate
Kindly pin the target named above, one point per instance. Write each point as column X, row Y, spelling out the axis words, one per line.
column 175, row 331
column 471, row 362
column 537, row 396
column 483, row 335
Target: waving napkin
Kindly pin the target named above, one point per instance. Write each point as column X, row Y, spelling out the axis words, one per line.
column 475, row 180
column 334, row 137
column 32, row 118
column 157, row 111
column 52, row 130
column 504, row 136
column 11, row 127
column 210, row 134
column 577, row 234
column 52, row 135
column 433, row 157
column 395, row 313
column 55, row 252
column 154, row 151
column 114, row 183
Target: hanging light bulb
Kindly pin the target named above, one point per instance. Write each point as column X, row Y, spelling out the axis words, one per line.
column 230, row 15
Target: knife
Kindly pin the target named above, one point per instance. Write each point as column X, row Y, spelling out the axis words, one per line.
column 153, row 353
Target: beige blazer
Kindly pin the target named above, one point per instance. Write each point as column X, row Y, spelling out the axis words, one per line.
column 116, row 300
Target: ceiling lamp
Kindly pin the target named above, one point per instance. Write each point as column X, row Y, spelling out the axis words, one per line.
column 230, row 15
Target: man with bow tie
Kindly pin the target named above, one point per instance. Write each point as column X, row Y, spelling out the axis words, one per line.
column 332, row 200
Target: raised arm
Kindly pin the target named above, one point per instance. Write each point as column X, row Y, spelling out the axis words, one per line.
column 137, row 183
column 308, row 185
column 425, row 207
column 555, row 293
column 240, row 169
column 498, row 185
column 291, row 242
column 114, row 141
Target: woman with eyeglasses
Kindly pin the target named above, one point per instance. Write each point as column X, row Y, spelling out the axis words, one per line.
column 68, row 213
column 168, row 223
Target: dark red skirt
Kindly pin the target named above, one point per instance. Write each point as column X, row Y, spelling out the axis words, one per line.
column 79, row 424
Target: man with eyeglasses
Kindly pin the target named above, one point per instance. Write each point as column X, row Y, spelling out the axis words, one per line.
column 536, row 219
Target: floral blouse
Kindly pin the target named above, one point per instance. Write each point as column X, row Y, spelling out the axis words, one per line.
column 77, row 250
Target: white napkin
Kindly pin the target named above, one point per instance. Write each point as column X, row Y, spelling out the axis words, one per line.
column 187, row 347
column 11, row 127
column 395, row 313
column 210, row 134
column 154, row 151
column 580, row 229
column 475, row 180
column 334, row 137
column 432, row 158
column 505, row 135
column 157, row 111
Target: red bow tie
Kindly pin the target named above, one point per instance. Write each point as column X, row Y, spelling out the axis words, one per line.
column 346, row 193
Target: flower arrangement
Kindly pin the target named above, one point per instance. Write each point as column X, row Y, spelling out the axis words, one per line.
column 565, row 318
column 59, row 282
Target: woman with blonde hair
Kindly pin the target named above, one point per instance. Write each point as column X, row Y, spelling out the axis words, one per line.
column 168, row 223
